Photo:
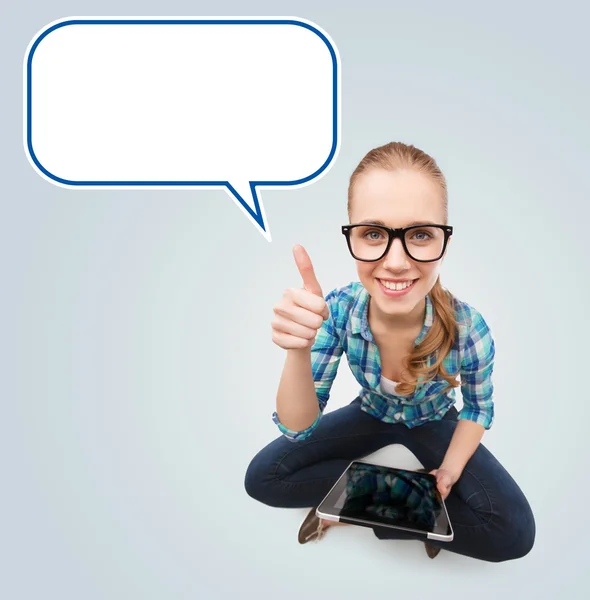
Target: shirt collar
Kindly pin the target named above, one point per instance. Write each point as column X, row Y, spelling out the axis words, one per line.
column 359, row 321
column 428, row 320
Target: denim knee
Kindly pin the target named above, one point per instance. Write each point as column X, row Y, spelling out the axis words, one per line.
column 253, row 480
column 524, row 539
column 261, row 482
column 518, row 541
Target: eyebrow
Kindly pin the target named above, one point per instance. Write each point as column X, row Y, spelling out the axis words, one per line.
column 379, row 222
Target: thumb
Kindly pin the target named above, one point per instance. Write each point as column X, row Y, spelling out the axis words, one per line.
column 310, row 282
column 444, row 484
column 439, row 478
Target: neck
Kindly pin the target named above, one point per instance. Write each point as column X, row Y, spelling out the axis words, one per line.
column 409, row 322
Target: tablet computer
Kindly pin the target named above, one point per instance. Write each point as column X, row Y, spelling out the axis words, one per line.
column 371, row 495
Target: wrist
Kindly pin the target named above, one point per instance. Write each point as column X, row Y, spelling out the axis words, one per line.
column 299, row 353
column 455, row 471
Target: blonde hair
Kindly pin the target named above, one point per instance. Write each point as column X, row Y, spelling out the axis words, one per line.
column 442, row 335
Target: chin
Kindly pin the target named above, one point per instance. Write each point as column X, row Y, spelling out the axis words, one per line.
column 395, row 308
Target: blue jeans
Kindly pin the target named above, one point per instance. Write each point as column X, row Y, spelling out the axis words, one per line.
column 490, row 515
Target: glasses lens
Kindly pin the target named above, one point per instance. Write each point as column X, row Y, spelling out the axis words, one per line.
column 425, row 243
column 368, row 242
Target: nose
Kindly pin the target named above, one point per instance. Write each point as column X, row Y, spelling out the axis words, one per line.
column 396, row 258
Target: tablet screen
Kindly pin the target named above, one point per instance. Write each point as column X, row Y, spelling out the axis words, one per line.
column 387, row 496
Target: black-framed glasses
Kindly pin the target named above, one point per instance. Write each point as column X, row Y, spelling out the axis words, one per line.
column 370, row 242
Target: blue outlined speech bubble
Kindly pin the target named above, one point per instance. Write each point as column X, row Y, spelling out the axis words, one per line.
column 236, row 103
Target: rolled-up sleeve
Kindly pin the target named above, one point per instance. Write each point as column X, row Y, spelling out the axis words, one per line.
column 477, row 366
column 326, row 353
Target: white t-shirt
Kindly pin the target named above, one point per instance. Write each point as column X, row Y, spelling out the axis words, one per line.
column 388, row 386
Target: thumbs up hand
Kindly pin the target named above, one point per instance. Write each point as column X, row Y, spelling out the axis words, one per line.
column 301, row 311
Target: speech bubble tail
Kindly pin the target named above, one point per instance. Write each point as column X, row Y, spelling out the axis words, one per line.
column 246, row 197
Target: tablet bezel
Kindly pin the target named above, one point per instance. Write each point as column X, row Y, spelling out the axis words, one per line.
column 327, row 511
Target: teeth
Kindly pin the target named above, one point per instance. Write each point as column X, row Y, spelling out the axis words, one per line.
column 396, row 286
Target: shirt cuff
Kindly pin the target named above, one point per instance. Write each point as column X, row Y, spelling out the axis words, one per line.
column 296, row 436
column 485, row 418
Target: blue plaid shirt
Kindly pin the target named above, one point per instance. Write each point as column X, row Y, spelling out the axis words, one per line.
column 347, row 331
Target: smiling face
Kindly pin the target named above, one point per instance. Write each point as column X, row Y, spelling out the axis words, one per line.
column 397, row 199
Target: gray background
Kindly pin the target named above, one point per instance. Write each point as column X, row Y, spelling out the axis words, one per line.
column 138, row 373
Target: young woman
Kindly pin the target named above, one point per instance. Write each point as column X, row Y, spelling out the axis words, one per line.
column 406, row 339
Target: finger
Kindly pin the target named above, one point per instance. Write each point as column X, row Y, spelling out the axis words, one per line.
column 283, row 325
column 289, row 342
column 305, row 267
column 307, row 300
column 301, row 316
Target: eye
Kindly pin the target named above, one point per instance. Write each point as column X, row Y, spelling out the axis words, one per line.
column 422, row 235
column 373, row 235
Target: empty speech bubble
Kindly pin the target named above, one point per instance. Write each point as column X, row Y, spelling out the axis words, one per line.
column 239, row 103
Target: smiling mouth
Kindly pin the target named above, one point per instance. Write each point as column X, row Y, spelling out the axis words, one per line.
column 397, row 287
